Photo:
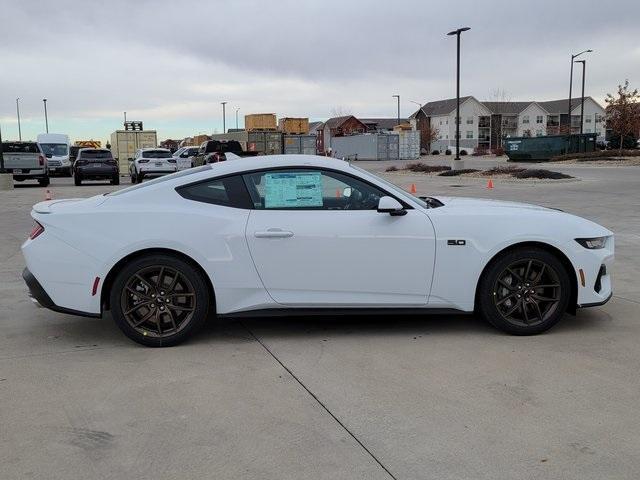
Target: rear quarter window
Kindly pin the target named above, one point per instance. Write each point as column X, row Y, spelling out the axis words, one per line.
column 226, row 191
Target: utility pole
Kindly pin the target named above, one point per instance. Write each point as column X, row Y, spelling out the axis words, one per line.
column 457, row 164
column 398, row 97
column 18, row 113
column 46, row 120
column 573, row 57
column 237, row 109
column 584, row 67
column 224, row 117
column 125, row 117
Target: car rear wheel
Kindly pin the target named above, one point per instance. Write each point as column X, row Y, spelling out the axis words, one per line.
column 159, row 300
column 139, row 178
column 44, row 182
column 115, row 180
column 77, row 180
column 524, row 292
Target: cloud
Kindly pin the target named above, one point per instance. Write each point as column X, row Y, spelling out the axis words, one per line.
column 172, row 63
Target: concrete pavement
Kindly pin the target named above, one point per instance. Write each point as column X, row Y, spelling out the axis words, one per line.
column 332, row 397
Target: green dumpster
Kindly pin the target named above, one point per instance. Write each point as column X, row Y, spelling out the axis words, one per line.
column 544, row 148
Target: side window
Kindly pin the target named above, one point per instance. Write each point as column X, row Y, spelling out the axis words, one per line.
column 310, row 189
column 227, row 191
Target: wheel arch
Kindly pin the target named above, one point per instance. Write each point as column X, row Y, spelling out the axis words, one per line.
column 117, row 267
column 559, row 254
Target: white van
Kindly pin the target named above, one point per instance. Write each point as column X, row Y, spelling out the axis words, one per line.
column 56, row 147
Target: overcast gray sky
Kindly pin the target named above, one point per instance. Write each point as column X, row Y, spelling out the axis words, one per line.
column 171, row 63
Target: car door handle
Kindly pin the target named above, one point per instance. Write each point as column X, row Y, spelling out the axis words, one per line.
column 273, row 233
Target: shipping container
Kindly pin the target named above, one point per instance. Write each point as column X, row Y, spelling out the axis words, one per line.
column 124, row 144
column 267, row 143
column 369, row 146
column 546, row 147
column 409, row 144
column 299, row 144
column 296, row 126
column 260, row 121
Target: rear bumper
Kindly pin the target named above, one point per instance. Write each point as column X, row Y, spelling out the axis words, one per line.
column 148, row 172
column 97, row 172
column 40, row 296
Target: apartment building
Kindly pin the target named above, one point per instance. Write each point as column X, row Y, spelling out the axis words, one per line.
column 487, row 124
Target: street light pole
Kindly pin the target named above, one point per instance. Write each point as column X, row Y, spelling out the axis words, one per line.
column 584, row 66
column 46, row 120
column 457, row 164
column 224, row 117
column 573, row 57
column 398, row 97
column 18, row 113
column 237, row 109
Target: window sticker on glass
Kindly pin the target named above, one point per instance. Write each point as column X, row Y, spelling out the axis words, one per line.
column 293, row 190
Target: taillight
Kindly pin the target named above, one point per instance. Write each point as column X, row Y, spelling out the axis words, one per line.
column 110, row 162
column 81, row 162
column 36, row 230
column 41, row 159
column 172, row 160
column 143, row 160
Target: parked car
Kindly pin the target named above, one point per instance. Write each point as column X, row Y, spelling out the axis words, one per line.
column 96, row 164
column 213, row 151
column 185, row 157
column 287, row 234
column 56, row 148
column 73, row 154
column 151, row 162
column 26, row 161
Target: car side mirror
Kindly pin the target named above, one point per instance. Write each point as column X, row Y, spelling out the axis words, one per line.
column 391, row 206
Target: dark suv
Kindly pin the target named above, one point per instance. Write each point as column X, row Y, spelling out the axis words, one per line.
column 95, row 164
column 213, row 151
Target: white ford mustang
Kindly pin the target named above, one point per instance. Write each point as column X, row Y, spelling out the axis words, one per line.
column 295, row 234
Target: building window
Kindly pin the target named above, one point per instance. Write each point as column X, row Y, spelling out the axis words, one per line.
column 598, row 118
column 525, row 119
column 538, row 118
column 469, row 133
column 469, row 120
column 447, row 137
column 440, row 122
column 587, row 120
column 539, row 133
column 587, row 130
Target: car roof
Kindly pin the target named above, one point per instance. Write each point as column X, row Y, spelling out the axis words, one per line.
column 158, row 148
column 273, row 161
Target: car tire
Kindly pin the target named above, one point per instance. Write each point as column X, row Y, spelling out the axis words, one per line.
column 139, row 178
column 44, row 182
column 77, row 180
column 115, row 180
column 525, row 291
column 164, row 318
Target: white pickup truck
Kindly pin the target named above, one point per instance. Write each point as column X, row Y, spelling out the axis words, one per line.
column 26, row 161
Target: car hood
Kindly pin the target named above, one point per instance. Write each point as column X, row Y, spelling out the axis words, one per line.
column 467, row 202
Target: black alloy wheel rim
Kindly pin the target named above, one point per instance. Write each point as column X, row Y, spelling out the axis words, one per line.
column 158, row 301
column 527, row 292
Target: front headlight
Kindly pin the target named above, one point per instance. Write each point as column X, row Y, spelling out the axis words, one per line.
column 592, row 243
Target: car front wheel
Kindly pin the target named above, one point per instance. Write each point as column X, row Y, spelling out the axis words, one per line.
column 524, row 292
column 159, row 300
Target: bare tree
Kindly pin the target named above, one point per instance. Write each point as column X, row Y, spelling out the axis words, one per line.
column 623, row 112
column 341, row 111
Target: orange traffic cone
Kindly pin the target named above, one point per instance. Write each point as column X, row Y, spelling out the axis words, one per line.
column 47, row 195
column 413, row 188
column 338, row 193
column 490, row 184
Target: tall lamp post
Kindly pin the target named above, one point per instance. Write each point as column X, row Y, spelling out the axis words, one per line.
column 458, row 164
column 6, row 179
column 46, row 120
column 573, row 57
column 398, row 97
column 224, row 117
column 237, row 110
column 18, row 114
column 584, row 67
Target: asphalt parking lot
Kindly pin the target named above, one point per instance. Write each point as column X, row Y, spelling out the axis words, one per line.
column 331, row 397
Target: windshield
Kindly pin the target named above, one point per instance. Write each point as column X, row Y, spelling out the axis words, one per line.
column 179, row 151
column 55, row 149
column 95, row 154
column 397, row 190
column 156, row 154
column 155, row 181
column 17, row 147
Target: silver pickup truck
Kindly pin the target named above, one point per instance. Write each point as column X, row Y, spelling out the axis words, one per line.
column 26, row 161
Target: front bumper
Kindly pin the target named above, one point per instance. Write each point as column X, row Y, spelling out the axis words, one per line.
column 38, row 294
